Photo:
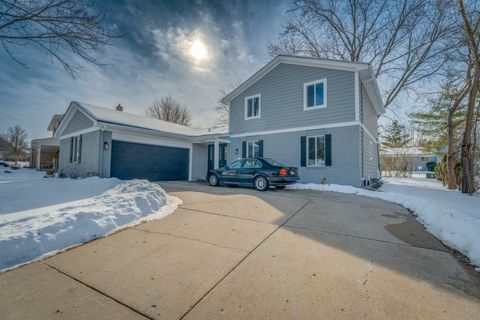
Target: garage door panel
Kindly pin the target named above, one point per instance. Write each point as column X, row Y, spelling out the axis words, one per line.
column 143, row 161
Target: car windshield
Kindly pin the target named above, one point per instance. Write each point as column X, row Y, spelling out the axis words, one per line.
column 272, row 162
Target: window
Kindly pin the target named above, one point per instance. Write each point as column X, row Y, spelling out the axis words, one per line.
column 235, row 164
column 424, row 158
column 252, row 164
column 371, row 150
column 316, row 151
column 253, row 149
column 76, row 149
column 314, row 95
column 252, row 107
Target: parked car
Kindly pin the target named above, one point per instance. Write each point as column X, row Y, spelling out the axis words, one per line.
column 261, row 173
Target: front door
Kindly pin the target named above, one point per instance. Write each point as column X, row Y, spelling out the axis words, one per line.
column 222, row 155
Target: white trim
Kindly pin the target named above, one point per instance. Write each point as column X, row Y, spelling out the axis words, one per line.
column 77, row 133
column 190, row 163
column 68, row 116
column 259, row 96
column 324, row 151
column 357, row 97
column 322, row 126
column 144, row 139
column 305, row 95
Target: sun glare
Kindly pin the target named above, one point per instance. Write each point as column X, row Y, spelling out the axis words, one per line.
column 198, row 50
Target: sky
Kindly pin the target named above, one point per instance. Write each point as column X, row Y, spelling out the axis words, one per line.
column 154, row 58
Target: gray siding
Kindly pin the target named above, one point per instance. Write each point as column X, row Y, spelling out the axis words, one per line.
column 369, row 153
column 78, row 122
column 282, row 99
column 199, row 161
column 370, row 164
column 285, row 148
column 106, row 155
column 90, row 156
column 368, row 115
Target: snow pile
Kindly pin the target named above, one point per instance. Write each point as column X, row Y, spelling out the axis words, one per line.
column 451, row 216
column 29, row 234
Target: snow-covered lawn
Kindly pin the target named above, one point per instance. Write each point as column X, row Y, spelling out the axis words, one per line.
column 451, row 216
column 41, row 216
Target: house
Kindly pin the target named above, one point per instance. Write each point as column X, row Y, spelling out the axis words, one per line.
column 408, row 159
column 44, row 153
column 319, row 115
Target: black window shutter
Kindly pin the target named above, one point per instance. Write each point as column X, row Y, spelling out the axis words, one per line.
column 303, row 151
column 71, row 149
column 244, row 149
column 79, row 149
column 328, row 150
column 260, row 148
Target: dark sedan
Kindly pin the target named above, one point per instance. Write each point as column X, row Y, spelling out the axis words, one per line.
column 260, row 173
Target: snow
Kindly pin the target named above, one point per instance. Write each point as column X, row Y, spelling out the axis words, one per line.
column 110, row 115
column 42, row 216
column 449, row 215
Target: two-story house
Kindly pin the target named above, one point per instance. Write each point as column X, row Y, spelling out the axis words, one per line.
column 319, row 115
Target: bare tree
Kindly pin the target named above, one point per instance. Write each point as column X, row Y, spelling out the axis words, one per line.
column 471, row 31
column 56, row 26
column 223, row 112
column 169, row 109
column 404, row 41
column 222, row 109
column 16, row 137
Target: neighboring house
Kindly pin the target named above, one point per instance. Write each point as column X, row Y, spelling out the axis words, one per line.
column 319, row 115
column 413, row 158
column 44, row 152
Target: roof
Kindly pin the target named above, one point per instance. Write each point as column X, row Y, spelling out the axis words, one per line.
column 365, row 71
column 405, row 151
column 114, row 117
column 54, row 122
column 46, row 142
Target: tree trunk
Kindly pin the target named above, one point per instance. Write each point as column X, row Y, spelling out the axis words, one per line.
column 468, row 183
column 451, row 176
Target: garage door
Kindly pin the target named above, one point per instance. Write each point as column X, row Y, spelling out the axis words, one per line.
column 144, row 161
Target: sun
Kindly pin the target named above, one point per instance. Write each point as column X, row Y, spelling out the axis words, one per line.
column 198, row 50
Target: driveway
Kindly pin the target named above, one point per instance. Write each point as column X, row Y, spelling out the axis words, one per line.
column 233, row 253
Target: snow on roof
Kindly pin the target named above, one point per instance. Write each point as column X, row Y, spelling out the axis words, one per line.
column 408, row 150
column 112, row 116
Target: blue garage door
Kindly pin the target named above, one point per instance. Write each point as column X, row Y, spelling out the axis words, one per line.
column 144, row 161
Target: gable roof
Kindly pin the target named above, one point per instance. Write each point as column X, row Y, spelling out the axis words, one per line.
column 110, row 116
column 364, row 69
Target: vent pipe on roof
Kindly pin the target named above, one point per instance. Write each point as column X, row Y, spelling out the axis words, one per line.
column 119, row 107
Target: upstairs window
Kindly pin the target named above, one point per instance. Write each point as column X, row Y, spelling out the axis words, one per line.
column 315, row 95
column 252, row 107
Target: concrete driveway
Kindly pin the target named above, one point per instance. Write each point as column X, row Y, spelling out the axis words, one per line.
column 233, row 253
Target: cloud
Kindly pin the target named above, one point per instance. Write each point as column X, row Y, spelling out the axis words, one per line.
column 152, row 60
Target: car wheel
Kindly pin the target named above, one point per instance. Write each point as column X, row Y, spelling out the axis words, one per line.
column 280, row 187
column 261, row 183
column 213, row 180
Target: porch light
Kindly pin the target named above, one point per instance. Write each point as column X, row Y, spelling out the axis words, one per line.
column 106, row 146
